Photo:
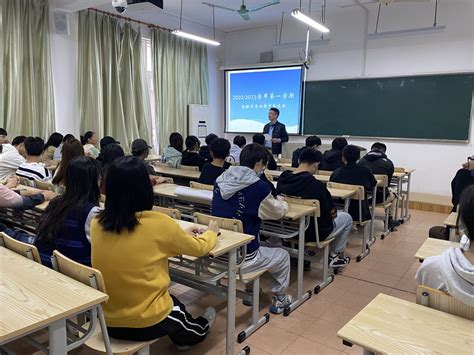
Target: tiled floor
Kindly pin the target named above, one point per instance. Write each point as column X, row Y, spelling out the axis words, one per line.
column 389, row 268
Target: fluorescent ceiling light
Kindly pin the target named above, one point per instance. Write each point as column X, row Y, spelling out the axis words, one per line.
column 195, row 38
column 309, row 21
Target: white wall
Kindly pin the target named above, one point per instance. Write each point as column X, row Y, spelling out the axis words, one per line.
column 345, row 57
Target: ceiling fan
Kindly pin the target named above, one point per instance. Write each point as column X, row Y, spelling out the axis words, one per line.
column 387, row 2
column 244, row 11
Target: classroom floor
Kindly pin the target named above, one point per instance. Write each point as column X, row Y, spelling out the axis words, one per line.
column 389, row 268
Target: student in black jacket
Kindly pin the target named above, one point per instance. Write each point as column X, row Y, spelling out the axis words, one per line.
column 302, row 183
column 464, row 177
column 220, row 149
column 377, row 161
column 354, row 174
column 191, row 156
column 332, row 158
column 311, row 142
column 205, row 150
column 260, row 139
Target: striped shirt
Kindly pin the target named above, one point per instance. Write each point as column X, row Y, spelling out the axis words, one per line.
column 34, row 171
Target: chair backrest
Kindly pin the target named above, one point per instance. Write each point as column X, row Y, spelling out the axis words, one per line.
column 292, row 200
column 199, row 186
column 383, row 179
column 359, row 190
column 324, row 172
column 45, row 186
column 189, row 167
column 399, row 170
column 171, row 212
column 79, row 272
column 444, row 302
column 284, row 161
column 223, row 223
column 269, row 177
column 25, row 249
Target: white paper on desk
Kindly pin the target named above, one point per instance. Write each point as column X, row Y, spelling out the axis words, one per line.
column 267, row 137
column 195, row 193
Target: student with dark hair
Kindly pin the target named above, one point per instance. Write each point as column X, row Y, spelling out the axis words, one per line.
column 173, row 154
column 260, row 139
column 453, row 270
column 463, row 178
column 89, row 140
column 142, row 241
column 205, row 150
column 66, row 223
column 301, row 183
column 53, row 142
column 332, row 158
column 377, row 161
column 354, row 174
column 10, row 157
column 239, row 193
column 236, row 148
column 141, row 150
column 18, row 143
column 220, row 148
column 33, row 169
column 111, row 153
column 313, row 142
column 3, row 136
column 191, row 155
column 104, row 143
column 70, row 150
column 276, row 132
column 57, row 152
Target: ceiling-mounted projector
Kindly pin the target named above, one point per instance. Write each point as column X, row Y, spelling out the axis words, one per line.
column 121, row 5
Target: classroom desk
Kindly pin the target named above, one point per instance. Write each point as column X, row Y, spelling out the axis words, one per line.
column 152, row 157
column 432, row 247
column 184, row 174
column 451, row 221
column 389, row 325
column 400, row 178
column 35, row 297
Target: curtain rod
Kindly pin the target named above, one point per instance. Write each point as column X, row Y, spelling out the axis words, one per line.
column 128, row 19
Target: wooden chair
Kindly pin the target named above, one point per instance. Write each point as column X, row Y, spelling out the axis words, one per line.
column 25, row 249
column 359, row 196
column 96, row 338
column 199, row 186
column 171, row 212
column 45, row 186
column 323, row 245
column 386, row 205
column 284, row 161
column 251, row 277
column 324, row 172
column 442, row 301
column 189, row 167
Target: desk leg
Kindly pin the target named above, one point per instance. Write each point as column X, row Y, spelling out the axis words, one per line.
column 406, row 217
column 347, row 202
column 57, row 338
column 372, row 223
column 300, row 297
column 399, row 194
column 231, row 299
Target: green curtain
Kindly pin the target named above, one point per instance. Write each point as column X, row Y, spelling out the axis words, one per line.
column 113, row 97
column 180, row 78
column 26, row 94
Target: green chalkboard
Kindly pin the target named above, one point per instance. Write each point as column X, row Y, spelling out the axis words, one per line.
column 424, row 107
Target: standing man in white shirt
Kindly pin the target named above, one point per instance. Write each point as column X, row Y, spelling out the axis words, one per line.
column 10, row 158
column 276, row 132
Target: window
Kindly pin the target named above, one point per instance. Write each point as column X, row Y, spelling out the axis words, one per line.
column 147, row 56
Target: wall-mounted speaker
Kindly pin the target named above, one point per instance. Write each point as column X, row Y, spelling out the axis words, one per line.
column 266, row 57
column 61, row 23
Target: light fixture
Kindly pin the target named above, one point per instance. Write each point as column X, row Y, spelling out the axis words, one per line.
column 309, row 21
column 190, row 36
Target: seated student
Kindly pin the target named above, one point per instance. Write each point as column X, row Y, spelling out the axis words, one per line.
column 53, row 142
column 311, row 142
column 10, row 158
column 220, row 148
column 236, row 148
column 377, row 161
column 70, row 150
column 453, row 270
column 301, row 183
column 21, row 199
column 205, row 150
column 464, row 177
column 57, row 152
column 111, row 153
column 353, row 174
column 142, row 240
column 260, row 139
column 89, row 140
column 191, row 156
column 332, row 158
column 104, row 142
column 173, row 154
column 66, row 221
column 239, row 193
column 18, row 143
column 32, row 169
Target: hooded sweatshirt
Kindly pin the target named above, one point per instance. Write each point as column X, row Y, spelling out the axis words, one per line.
column 234, row 154
column 240, row 194
column 379, row 164
column 172, row 157
column 332, row 160
column 304, row 185
column 450, row 272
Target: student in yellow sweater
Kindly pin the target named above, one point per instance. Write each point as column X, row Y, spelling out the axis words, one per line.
column 130, row 246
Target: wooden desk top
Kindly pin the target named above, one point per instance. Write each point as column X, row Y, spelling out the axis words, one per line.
column 432, row 247
column 172, row 172
column 152, row 157
column 391, row 325
column 451, row 220
column 338, row 193
column 33, row 296
column 227, row 241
